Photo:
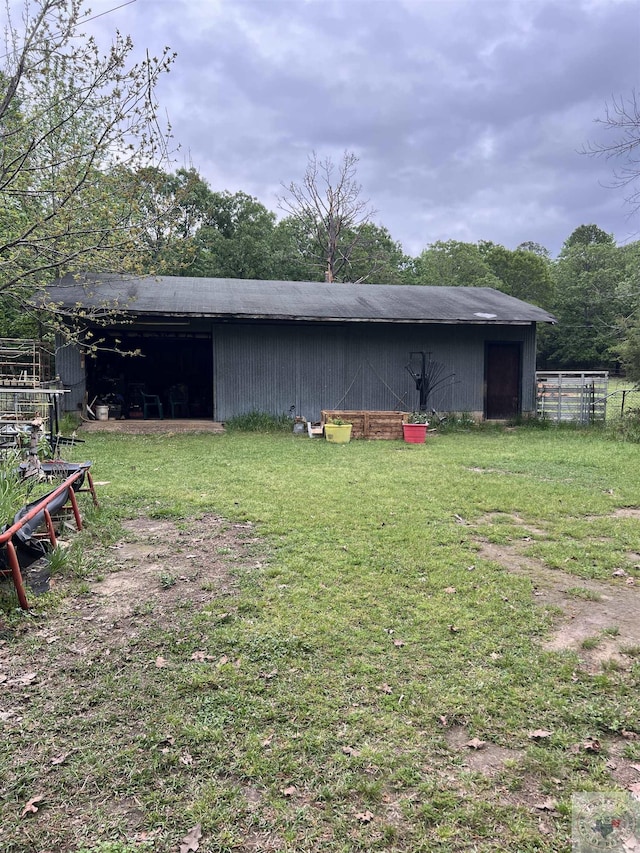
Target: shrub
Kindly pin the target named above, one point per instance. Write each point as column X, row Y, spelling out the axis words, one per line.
column 259, row 422
column 627, row 427
column 459, row 421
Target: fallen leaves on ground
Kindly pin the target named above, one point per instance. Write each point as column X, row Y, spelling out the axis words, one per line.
column 364, row 817
column 549, row 805
column 539, row 734
column 26, row 679
column 591, row 744
column 543, row 829
column 31, row 807
column 269, row 675
column 191, row 841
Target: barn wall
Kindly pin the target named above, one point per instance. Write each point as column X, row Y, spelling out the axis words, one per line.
column 70, row 368
column 272, row 367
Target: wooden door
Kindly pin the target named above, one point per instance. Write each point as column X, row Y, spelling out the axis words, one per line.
column 502, row 379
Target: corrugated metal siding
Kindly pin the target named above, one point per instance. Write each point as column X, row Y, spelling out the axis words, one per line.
column 529, row 390
column 70, row 369
column 272, row 367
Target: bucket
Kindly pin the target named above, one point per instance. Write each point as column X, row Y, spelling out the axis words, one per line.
column 338, row 433
column 414, row 433
column 102, row 413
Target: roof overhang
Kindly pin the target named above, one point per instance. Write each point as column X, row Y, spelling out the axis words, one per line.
column 113, row 298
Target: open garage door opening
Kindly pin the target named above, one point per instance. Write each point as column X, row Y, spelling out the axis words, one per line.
column 169, row 373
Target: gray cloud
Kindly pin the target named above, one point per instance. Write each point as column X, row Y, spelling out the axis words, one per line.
column 467, row 116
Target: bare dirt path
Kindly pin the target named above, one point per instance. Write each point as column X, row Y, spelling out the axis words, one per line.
column 599, row 619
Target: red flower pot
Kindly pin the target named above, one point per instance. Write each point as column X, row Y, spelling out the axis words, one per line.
column 415, row 433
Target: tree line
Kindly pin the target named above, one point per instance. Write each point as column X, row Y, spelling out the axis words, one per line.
column 592, row 287
column 85, row 185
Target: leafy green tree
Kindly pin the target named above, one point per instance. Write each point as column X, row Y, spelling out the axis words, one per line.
column 627, row 347
column 74, row 125
column 534, row 248
column 293, row 255
column 588, row 235
column 589, row 301
column 236, row 239
column 175, row 207
column 522, row 273
column 628, row 350
column 377, row 258
column 453, row 263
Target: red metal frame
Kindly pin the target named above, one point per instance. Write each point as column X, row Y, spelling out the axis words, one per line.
column 42, row 506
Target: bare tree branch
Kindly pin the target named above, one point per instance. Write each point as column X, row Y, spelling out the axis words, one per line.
column 328, row 205
column 622, row 121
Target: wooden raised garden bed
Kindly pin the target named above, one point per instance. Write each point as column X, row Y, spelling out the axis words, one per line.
column 370, row 424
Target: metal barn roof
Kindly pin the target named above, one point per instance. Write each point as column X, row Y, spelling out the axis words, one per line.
column 245, row 299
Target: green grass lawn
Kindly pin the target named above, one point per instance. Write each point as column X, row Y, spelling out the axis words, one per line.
column 368, row 641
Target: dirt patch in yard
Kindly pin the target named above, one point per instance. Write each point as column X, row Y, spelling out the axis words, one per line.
column 482, row 756
column 142, row 583
column 598, row 619
column 161, row 562
column 627, row 512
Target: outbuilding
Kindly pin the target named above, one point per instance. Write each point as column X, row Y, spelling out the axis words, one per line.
column 234, row 346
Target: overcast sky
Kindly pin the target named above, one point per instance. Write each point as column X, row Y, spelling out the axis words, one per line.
column 467, row 115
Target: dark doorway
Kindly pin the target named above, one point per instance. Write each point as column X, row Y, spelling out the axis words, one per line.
column 502, row 380
column 162, row 361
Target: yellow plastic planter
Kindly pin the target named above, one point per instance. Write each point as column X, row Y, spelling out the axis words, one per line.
column 338, row 433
